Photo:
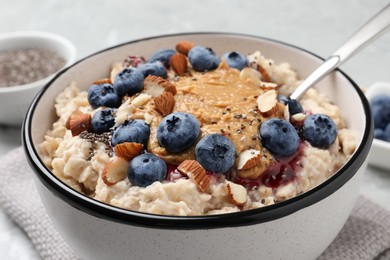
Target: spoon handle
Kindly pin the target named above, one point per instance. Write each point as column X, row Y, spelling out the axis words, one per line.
column 375, row 27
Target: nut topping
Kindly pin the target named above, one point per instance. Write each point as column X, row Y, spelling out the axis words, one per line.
column 196, row 173
column 155, row 86
column 164, row 103
column 116, row 68
column 184, row 47
column 115, row 171
column 128, row 150
column 237, row 193
column 268, row 103
column 102, row 81
column 78, row 122
column 179, row 64
column 248, row 159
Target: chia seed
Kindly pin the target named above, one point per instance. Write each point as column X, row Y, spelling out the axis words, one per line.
column 23, row 66
column 94, row 139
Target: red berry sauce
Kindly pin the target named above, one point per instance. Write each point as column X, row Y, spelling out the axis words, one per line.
column 280, row 173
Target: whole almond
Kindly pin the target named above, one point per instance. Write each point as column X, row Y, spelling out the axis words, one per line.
column 164, row 103
column 179, row 64
column 78, row 122
column 184, row 47
column 128, row 150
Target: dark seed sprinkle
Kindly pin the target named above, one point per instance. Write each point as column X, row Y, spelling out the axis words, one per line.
column 94, row 139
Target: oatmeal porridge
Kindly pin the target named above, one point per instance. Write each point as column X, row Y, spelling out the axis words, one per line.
column 186, row 132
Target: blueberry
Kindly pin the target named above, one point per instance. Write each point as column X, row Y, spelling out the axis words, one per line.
column 178, row 131
column 162, row 56
column 153, row 68
column 136, row 131
column 380, row 107
column 129, row 81
column 103, row 120
column 381, row 100
column 145, row 169
column 203, row 59
column 279, row 137
column 319, row 130
column 215, row 153
column 294, row 107
column 386, row 133
column 379, row 134
column 236, row 60
column 103, row 95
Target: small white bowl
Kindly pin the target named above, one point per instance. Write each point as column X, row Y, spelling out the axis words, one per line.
column 15, row 100
column 380, row 150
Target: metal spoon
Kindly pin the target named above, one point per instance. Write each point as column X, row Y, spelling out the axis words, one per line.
column 375, row 27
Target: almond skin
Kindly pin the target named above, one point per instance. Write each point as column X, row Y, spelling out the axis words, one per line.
column 196, row 173
column 155, row 86
column 115, row 171
column 128, row 150
column 179, row 64
column 268, row 103
column 164, row 103
column 248, row 159
column 184, row 47
column 78, row 122
column 237, row 193
column 102, row 81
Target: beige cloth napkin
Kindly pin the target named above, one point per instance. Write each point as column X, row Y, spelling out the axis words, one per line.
column 366, row 235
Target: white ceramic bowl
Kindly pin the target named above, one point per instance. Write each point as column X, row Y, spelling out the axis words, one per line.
column 14, row 101
column 380, row 150
column 299, row 228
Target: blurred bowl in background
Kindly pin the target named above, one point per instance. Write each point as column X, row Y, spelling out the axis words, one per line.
column 380, row 150
column 15, row 100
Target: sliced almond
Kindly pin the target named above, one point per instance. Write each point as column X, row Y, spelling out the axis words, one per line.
column 237, row 193
column 299, row 117
column 102, row 81
column 164, row 103
column 78, row 122
column 116, row 68
column 179, row 64
column 256, row 171
column 252, row 74
column 155, row 86
column 264, row 74
column 196, row 173
column 184, row 47
column 128, row 150
column 252, row 173
column 268, row 85
column 268, row 103
column 248, row 159
column 115, row 171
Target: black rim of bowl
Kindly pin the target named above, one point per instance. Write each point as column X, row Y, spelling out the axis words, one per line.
column 243, row 218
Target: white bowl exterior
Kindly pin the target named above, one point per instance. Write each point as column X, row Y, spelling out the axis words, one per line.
column 14, row 101
column 302, row 235
column 380, row 150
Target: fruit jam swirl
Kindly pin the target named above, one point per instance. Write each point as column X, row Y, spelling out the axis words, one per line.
column 215, row 127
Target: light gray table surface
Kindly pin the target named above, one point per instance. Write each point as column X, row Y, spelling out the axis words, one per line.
column 317, row 25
